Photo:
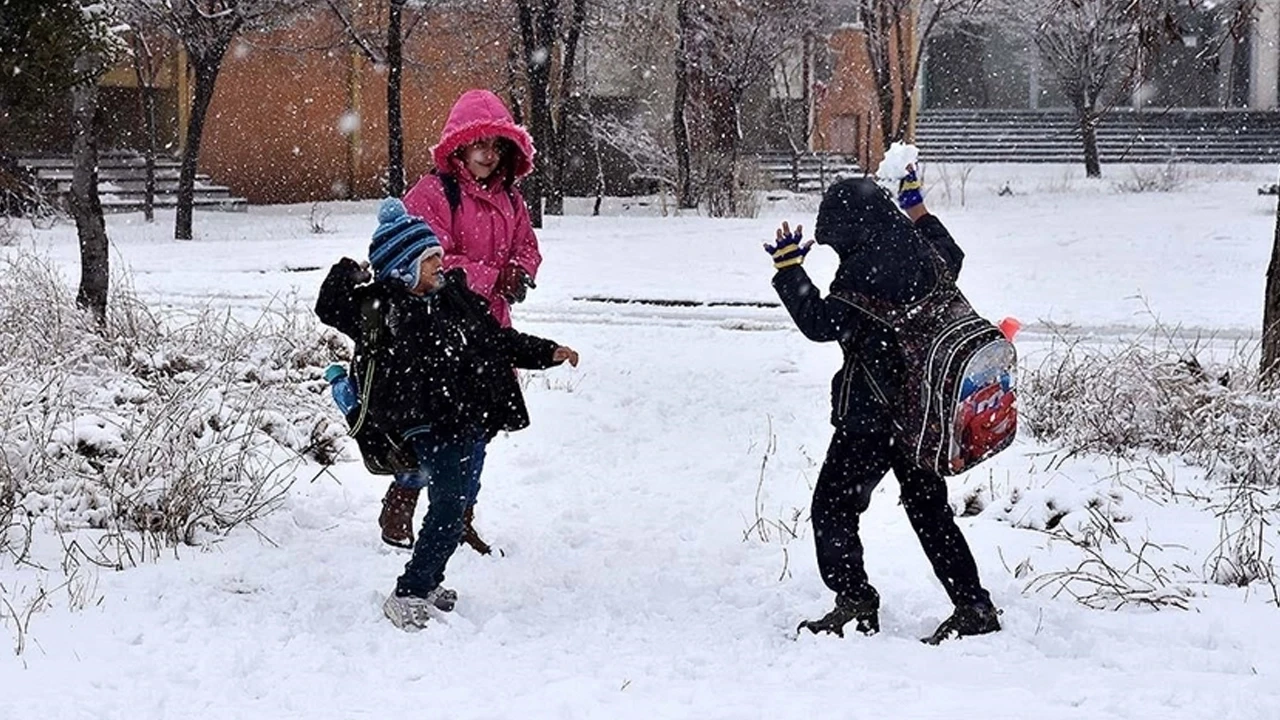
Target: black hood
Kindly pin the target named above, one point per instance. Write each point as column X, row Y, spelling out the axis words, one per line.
column 881, row 254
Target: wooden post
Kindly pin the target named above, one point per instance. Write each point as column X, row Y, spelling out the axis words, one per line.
column 915, row 50
column 182, row 85
column 353, row 137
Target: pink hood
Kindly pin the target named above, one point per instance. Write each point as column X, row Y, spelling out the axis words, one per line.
column 479, row 114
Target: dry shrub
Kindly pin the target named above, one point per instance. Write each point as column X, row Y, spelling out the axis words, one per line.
column 1155, row 395
column 169, row 425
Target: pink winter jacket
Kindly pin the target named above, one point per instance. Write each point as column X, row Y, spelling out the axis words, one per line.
column 491, row 228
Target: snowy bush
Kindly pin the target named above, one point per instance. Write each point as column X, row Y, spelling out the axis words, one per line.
column 167, row 424
column 1155, row 396
column 1164, row 178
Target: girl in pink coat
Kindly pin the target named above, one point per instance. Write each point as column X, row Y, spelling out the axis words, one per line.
column 482, row 152
column 472, row 203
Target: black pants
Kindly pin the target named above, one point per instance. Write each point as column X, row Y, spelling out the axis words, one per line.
column 855, row 464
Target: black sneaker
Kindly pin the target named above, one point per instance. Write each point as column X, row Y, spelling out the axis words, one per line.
column 866, row 613
column 966, row 620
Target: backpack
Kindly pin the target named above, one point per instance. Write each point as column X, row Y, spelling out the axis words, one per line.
column 957, row 406
column 383, row 450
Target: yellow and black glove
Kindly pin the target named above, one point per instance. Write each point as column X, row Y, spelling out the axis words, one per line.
column 787, row 249
column 910, row 190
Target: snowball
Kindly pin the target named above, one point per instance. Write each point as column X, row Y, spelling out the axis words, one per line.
column 896, row 160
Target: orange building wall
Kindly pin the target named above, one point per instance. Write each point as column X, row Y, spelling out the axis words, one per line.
column 847, row 113
column 274, row 132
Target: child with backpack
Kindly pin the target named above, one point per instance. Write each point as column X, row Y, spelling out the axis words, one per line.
column 894, row 260
column 472, row 202
column 436, row 371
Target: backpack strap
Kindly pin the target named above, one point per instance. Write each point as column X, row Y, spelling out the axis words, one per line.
column 452, row 190
column 370, row 337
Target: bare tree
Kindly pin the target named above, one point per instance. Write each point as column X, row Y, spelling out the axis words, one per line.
column 363, row 29
column 549, row 31
column 1097, row 49
column 205, row 28
column 895, row 32
column 95, row 47
column 685, row 196
column 146, row 69
column 641, row 127
column 727, row 48
column 1091, row 48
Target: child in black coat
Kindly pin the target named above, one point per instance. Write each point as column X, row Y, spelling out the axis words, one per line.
column 889, row 256
column 442, row 382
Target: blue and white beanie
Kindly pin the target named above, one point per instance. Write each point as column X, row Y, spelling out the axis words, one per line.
column 400, row 244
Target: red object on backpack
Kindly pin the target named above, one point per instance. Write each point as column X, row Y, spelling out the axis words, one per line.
column 1010, row 327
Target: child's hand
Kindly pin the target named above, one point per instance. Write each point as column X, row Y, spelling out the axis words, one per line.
column 787, row 249
column 514, row 283
column 356, row 272
column 910, row 190
column 563, row 353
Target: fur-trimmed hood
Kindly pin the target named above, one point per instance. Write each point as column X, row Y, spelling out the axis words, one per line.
column 479, row 114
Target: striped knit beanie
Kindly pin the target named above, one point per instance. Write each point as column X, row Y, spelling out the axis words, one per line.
column 400, row 243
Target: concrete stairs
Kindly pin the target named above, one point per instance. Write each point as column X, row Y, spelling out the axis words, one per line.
column 122, row 182
column 1124, row 135
column 806, row 173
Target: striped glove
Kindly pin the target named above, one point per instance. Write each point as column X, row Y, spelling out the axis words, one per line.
column 909, row 187
column 787, row 249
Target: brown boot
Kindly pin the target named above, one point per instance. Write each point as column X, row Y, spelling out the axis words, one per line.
column 470, row 536
column 396, row 519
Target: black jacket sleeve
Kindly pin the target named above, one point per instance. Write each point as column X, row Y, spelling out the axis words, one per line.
column 519, row 349
column 819, row 319
column 937, row 235
column 338, row 304
column 527, row 351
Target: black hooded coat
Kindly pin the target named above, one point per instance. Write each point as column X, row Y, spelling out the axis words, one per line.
column 883, row 256
column 445, row 363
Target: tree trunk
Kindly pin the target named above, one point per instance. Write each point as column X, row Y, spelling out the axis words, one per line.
column 685, row 198
column 144, row 71
column 1089, row 134
column 206, row 68
column 561, row 111
column 722, row 160
column 877, row 21
column 149, row 154
column 1271, row 311
column 395, row 117
column 86, row 206
column 537, row 63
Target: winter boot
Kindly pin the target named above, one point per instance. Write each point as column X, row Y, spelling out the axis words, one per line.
column 865, row 612
column 978, row 619
column 407, row 612
column 410, row 612
column 469, row 535
column 396, row 519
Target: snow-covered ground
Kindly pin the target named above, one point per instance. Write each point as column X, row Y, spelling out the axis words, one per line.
column 632, row 583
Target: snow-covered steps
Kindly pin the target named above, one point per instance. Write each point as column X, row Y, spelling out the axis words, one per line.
column 122, row 182
column 1051, row 136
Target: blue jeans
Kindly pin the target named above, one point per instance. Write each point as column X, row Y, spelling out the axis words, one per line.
column 449, row 469
column 419, row 479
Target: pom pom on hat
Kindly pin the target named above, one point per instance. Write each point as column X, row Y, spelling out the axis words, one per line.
column 390, row 209
column 400, row 243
